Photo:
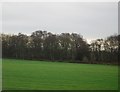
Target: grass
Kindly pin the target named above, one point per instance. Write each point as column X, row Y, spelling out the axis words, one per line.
column 39, row 75
column 0, row 74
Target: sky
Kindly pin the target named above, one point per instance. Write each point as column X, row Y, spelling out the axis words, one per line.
column 90, row 19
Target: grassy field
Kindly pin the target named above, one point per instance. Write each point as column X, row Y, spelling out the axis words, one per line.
column 38, row 75
column 0, row 74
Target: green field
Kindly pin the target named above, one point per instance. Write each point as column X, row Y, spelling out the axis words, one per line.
column 39, row 75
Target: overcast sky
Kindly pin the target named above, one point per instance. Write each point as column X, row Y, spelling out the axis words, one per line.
column 91, row 19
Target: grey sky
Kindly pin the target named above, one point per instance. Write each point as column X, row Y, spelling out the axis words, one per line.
column 92, row 20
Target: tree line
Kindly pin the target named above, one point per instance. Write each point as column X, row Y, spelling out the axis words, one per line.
column 43, row 45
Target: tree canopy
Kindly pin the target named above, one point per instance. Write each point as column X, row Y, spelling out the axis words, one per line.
column 43, row 45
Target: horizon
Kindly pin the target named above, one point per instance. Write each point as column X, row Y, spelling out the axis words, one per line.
column 87, row 40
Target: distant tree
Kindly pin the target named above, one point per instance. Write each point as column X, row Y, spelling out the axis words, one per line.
column 43, row 45
column 105, row 50
column 5, row 46
column 37, row 44
column 64, row 42
column 51, row 46
column 79, row 47
column 112, row 48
